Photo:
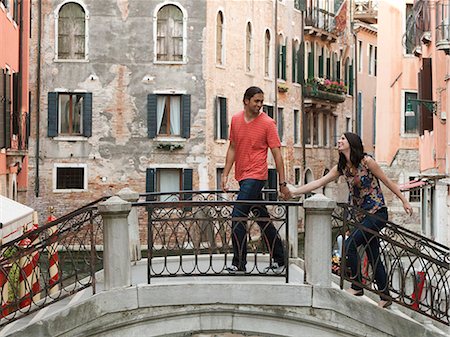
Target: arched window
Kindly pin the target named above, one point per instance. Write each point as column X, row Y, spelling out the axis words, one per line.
column 71, row 27
column 296, row 62
column 248, row 47
column 219, row 39
column 267, row 54
column 169, row 34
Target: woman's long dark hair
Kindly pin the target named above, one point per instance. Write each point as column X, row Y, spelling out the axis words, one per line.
column 356, row 151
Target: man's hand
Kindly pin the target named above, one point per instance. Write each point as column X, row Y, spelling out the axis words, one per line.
column 285, row 193
column 224, row 182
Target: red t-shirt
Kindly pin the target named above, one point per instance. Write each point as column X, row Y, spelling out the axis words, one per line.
column 252, row 141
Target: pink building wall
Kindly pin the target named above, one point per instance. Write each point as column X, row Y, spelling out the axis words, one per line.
column 14, row 161
column 397, row 72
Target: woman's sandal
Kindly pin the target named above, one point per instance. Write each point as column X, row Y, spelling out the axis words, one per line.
column 355, row 292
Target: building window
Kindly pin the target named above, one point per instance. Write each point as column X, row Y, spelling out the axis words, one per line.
column 279, row 121
column 5, row 108
column 411, row 113
column 414, row 193
column 267, row 54
column 372, row 60
column 296, row 126
column 296, row 62
column 170, row 34
column 268, row 109
column 374, row 120
column 316, row 129
column 219, row 39
column 360, row 56
column 248, row 47
column 325, row 134
column 334, row 130
column 310, row 48
column 219, row 172
column 69, row 114
column 70, row 177
column 71, row 28
column 297, row 176
column 169, row 180
column 307, row 128
column 221, row 129
column 409, row 29
column 281, row 58
column 348, row 124
column 169, row 115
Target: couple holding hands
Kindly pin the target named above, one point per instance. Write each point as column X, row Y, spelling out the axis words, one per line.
column 252, row 133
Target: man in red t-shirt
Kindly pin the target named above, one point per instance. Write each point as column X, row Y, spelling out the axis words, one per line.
column 252, row 133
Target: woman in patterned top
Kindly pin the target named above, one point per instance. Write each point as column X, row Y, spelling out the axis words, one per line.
column 362, row 174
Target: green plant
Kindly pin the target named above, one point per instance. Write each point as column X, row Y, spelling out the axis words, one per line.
column 327, row 85
column 169, row 146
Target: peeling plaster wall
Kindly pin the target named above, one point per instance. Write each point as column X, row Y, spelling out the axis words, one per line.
column 119, row 73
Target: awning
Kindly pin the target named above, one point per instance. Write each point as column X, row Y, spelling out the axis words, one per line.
column 411, row 184
column 13, row 217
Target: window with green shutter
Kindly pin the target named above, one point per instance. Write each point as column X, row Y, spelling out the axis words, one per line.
column 168, row 115
column 221, row 118
column 69, row 114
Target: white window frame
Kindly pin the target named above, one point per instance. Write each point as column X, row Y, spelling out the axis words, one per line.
column 271, row 42
column 155, row 31
column 70, row 165
column 86, row 30
column 403, row 132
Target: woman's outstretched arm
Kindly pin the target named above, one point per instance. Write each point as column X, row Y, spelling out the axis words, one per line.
column 330, row 176
column 378, row 172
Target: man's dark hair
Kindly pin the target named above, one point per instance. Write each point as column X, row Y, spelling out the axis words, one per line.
column 356, row 151
column 252, row 91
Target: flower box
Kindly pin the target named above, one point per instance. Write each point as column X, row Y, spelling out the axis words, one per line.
column 314, row 92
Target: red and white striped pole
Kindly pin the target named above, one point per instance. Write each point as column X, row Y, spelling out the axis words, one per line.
column 53, row 256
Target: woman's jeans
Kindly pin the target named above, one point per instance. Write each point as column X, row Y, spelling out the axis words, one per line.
column 372, row 247
column 250, row 189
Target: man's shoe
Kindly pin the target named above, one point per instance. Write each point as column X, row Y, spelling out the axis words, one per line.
column 275, row 267
column 235, row 270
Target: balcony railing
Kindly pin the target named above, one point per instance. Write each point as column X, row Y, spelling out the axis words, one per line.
column 366, row 10
column 321, row 21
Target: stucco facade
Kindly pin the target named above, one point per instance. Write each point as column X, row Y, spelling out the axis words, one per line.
column 412, row 86
column 14, row 104
column 114, row 73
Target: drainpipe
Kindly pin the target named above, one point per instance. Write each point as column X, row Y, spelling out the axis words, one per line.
column 38, row 98
column 355, row 68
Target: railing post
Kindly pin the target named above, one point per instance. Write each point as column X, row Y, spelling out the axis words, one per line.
column 318, row 210
column 293, row 231
column 133, row 223
column 116, row 254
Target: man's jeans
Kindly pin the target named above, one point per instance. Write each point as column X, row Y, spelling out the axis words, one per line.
column 372, row 248
column 250, row 189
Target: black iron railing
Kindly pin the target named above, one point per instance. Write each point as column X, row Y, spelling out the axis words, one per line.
column 49, row 263
column 418, row 269
column 320, row 18
column 192, row 233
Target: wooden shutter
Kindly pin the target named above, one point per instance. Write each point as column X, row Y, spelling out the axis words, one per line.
column 187, row 184
column 283, row 62
column 300, row 64
column 8, row 111
column 16, row 105
column 350, row 79
column 87, row 115
column 223, row 119
column 186, row 115
column 426, row 93
column 311, row 62
column 150, row 183
column 328, row 68
column 52, row 117
column 216, row 117
column 294, row 63
column 338, row 71
column 321, row 65
column 2, row 108
column 151, row 116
